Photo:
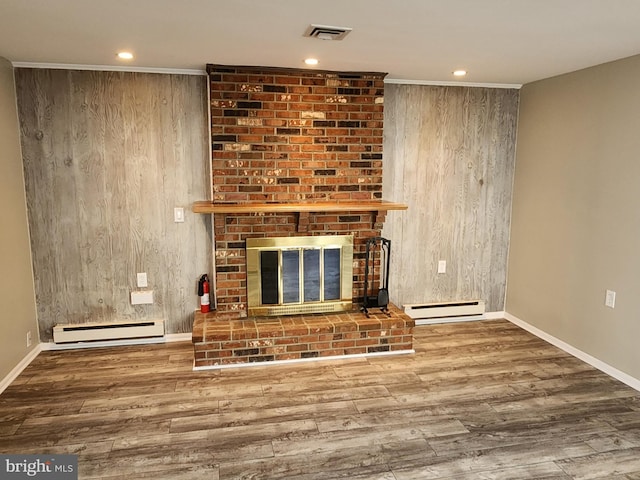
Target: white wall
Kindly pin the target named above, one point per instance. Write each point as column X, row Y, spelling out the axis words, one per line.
column 576, row 211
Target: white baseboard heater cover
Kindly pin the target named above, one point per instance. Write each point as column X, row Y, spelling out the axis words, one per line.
column 445, row 310
column 93, row 332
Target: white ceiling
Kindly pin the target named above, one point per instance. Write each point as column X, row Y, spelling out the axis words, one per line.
column 497, row 41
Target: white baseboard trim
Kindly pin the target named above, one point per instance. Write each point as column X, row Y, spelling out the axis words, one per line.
column 440, row 320
column 585, row 357
column 168, row 338
column 50, row 346
column 301, row 360
column 468, row 318
column 177, row 337
column 17, row 370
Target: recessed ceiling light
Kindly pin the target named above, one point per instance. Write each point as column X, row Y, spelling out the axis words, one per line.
column 125, row 55
column 311, row 61
column 459, row 73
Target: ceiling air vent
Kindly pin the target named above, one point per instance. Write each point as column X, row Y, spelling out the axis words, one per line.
column 325, row 32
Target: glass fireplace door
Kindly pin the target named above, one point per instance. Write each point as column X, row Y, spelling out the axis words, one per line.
column 299, row 274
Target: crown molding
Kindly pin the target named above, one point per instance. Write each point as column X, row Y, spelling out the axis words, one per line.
column 109, row 68
column 401, row 81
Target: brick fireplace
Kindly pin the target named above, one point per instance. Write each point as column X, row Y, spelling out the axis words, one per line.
column 294, row 153
column 283, row 136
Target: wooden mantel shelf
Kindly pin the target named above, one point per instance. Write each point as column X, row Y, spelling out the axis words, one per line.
column 300, row 207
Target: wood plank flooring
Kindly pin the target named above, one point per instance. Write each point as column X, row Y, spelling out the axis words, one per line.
column 483, row 400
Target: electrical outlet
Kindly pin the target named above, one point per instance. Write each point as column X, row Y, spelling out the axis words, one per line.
column 29, row 340
column 442, row 266
column 141, row 279
column 610, row 299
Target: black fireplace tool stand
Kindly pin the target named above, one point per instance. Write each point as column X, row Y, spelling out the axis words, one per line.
column 380, row 248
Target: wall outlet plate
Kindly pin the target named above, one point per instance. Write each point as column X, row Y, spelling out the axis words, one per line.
column 142, row 297
column 610, row 299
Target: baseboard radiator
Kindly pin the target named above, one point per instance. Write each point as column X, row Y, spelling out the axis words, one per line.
column 441, row 312
column 96, row 332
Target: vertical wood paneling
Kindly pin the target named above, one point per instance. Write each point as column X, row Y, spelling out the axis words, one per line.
column 107, row 156
column 449, row 154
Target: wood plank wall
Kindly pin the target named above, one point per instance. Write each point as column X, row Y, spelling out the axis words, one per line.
column 107, row 156
column 449, row 153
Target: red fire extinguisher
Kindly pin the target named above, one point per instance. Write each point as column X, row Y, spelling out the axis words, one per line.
column 203, row 293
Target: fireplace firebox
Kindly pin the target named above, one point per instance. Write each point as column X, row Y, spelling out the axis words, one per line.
column 292, row 275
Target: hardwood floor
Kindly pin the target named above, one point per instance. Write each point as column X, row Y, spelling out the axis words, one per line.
column 483, row 400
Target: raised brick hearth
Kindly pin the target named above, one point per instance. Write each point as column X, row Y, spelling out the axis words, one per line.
column 221, row 339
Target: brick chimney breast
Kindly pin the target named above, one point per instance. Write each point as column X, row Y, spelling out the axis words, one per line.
column 292, row 135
